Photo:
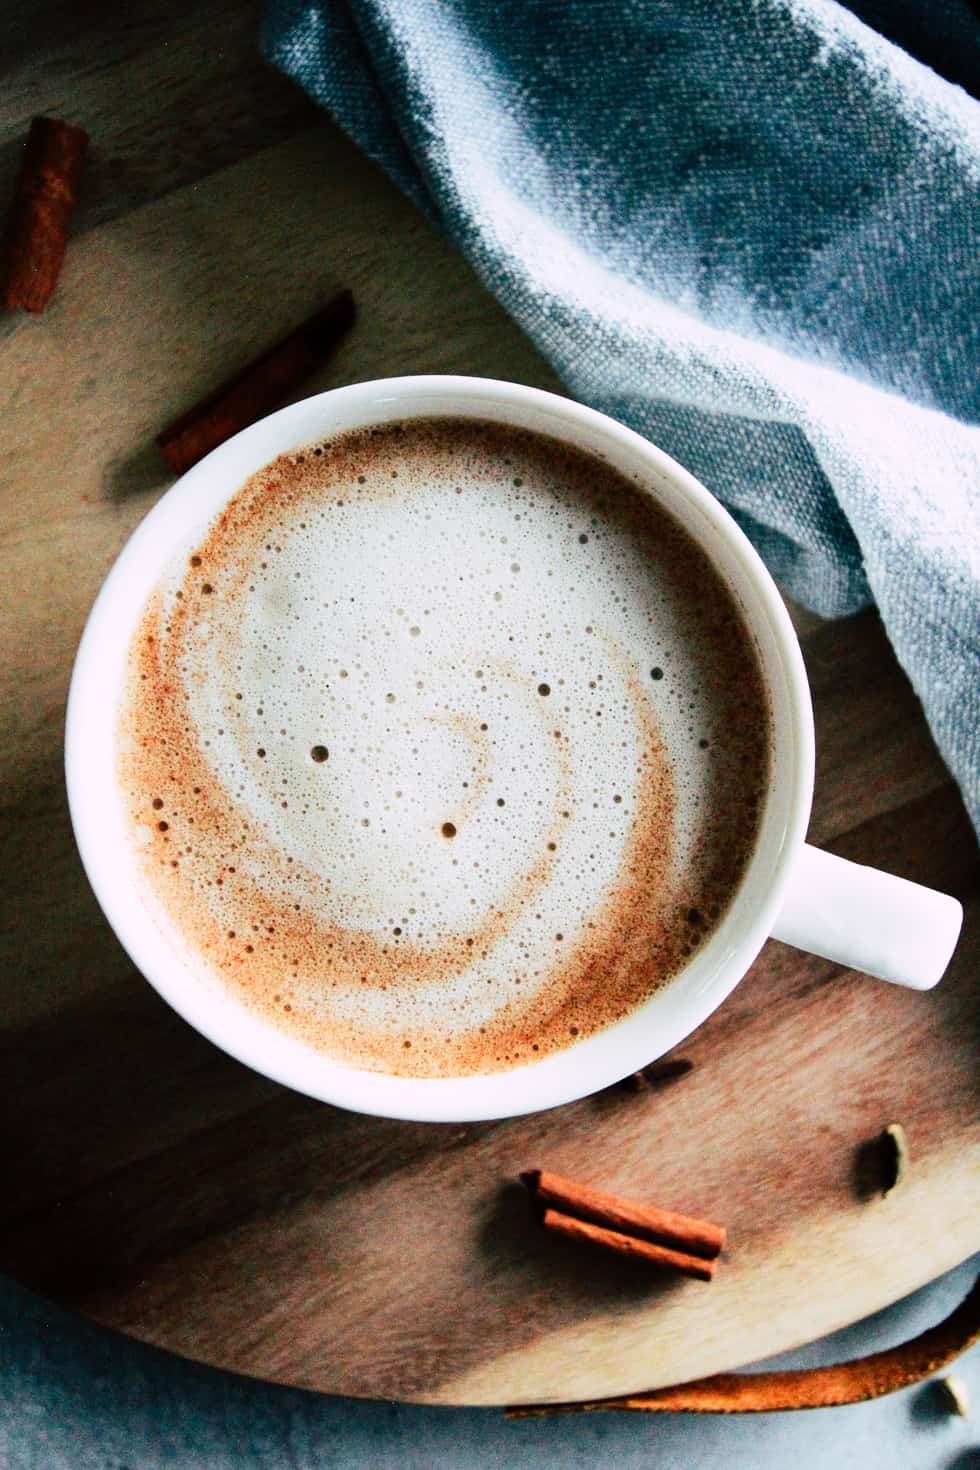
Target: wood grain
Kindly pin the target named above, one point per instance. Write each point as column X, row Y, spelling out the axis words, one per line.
column 168, row 93
column 158, row 1186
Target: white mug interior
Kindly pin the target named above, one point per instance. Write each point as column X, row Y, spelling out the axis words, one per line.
column 101, row 822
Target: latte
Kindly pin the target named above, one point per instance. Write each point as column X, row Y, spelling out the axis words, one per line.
column 444, row 749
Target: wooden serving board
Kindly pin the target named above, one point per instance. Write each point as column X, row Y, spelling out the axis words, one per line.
column 159, row 1187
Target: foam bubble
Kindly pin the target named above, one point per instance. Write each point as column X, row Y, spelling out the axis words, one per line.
column 385, row 787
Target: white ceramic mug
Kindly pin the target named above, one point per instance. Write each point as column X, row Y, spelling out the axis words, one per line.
column 856, row 916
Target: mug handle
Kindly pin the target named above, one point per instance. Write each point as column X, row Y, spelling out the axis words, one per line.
column 868, row 920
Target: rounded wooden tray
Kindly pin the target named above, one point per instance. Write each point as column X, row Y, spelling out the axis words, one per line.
column 159, row 1187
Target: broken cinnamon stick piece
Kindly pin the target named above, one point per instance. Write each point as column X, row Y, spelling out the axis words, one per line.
column 629, row 1246
column 655, row 1074
column 36, row 231
column 647, row 1222
column 258, row 388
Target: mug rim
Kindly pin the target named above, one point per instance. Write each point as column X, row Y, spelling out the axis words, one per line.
column 600, row 1059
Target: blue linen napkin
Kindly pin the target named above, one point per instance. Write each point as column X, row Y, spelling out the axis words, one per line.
column 746, row 228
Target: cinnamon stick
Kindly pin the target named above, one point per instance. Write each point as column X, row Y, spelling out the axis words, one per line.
column 258, row 388
column 629, row 1246
column 36, row 231
column 655, row 1074
column 852, row 1382
column 647, row 1222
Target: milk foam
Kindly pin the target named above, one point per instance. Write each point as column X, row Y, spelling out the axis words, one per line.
column 432, row 746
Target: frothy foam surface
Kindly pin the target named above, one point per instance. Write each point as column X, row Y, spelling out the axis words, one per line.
column 445, row 747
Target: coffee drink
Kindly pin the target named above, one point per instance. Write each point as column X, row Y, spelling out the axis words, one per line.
column 444, row 749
